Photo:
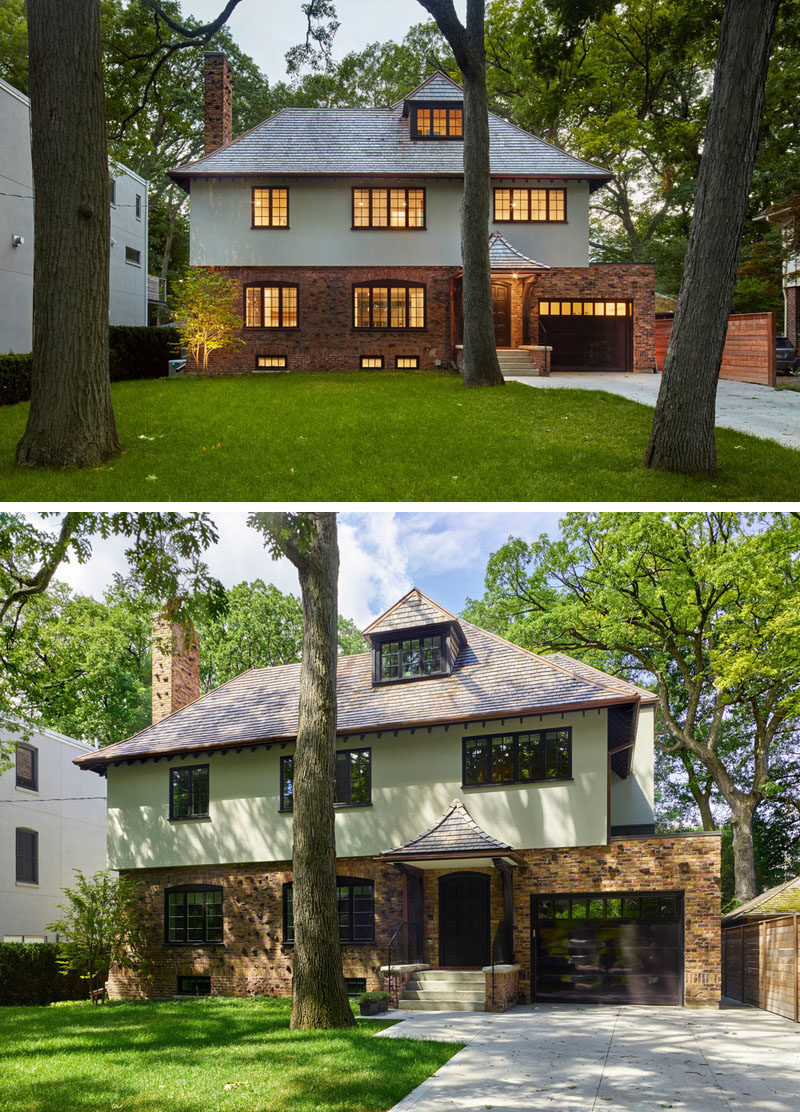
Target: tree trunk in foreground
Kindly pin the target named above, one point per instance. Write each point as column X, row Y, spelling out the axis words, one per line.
column 682, row 438
column 745, row 886
column 319, row 996
column 481, row 367
column 71, row 422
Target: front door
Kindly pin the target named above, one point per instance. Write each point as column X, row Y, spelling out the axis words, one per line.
column 464, row 920
column 501, row 307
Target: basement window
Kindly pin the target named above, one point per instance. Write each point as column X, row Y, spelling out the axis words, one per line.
column 408, row 362
column 270, row 361
column 368, row 361
column 194, row 986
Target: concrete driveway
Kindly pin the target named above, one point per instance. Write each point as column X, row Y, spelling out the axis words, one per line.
column 760, row 410
column 567, row 1058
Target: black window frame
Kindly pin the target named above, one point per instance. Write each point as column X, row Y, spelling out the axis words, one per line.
column 268, row 227
column 420, row 633
column 375, row 366
column 29, row 855
column 548, row 189
column 489, row 782
column 286, row 799
column 274, row 366
column 389, row 284
column 388, row 227
column 31, row 785
column 138, row 206
column 412, row 360
column 192, row 814
column 451, row 106
column 192, row 978
column 272, row 328
column 112, row 191
column 185, row 889
column 350, row 882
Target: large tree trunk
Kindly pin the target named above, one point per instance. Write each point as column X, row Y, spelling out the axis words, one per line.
column 71, row 422
column 744, row 861
column 481, row 367
column 319, row 995
column 683, row 426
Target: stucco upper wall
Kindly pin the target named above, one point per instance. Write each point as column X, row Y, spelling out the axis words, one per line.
column 320, row 229
column 632, row 799
column 414, row 778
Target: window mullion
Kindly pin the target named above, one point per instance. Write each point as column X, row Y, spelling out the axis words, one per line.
column 371, row 218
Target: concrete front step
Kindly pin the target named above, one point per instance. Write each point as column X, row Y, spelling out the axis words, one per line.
column 441, row 1004
column 425, row 992
column 460, row 976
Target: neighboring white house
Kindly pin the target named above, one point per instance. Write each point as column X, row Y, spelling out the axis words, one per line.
column 128, row 253
column 48, row 828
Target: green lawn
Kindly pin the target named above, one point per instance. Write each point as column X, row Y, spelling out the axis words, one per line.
column 386, row 437
column 179, row 1056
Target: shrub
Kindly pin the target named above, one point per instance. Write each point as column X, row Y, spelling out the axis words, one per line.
column 15, row 378
column 373, row 997
column 29, row 975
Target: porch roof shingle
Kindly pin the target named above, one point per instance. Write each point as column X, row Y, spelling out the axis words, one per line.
column 456, row 832
column 505, row 256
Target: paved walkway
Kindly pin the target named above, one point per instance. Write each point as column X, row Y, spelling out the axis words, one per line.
column 583, row 1059
column 760, row 410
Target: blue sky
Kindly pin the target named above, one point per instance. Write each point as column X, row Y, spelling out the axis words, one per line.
column 382, row 554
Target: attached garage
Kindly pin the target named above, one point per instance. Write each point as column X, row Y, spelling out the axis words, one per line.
column 608, row 948
column 587, row 335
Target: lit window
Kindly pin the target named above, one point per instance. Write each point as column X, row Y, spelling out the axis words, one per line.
column 389, row 306
column 585, row 308
column 368, row 361
column 270, row 306
column 538, row 206
column 133, row 256
column 438, row 122
column 270, row 360
column 407, row 362
column 388, row 208
column 270, row 208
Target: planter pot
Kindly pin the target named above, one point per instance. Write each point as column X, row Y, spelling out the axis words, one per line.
column 372, row 1007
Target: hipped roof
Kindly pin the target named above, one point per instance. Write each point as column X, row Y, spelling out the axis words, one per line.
column 455, row 834
column 783, row 899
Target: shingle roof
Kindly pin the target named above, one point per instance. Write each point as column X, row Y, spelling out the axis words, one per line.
column 436, row 87
column 590, row 673
column 314, row 141
column 413, row 609
column 491, row 679
column 783, row 899
column 504, row 256
column 456, row 832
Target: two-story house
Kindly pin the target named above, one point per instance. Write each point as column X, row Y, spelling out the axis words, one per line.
column 491, row 803
column 52, row 821
column 341, row 230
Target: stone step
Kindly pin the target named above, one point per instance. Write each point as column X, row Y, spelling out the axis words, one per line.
column 462, row 976
column 443, row 993
column 441, row 1005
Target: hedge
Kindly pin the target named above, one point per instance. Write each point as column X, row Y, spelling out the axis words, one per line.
column 29, row 975
column 134, row 352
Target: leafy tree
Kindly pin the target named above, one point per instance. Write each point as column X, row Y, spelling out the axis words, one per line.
column 204, row 307
column 682, row 437
column 709, row 600
column 481, row 367
column 319, row 996
column 101, row 926
column 14, row 44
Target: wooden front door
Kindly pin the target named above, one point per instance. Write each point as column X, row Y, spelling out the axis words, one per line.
column 501, row 307
column 464, row 920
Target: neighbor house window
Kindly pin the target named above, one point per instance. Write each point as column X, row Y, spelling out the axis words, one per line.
column 388, row 208
column 407, row 362
column 368, row 361
column 138, row 206
column 356, row 902
column 270, row 306
column 270, row 360
column 193, row 913
column 112, row 191
column 389, row 305
column 584, row 308
column 530, row 206
column 188, row 792
column 270, row 208
column 27, row 767
column 352, row 779
column 522, row 758
column 411, row 658
column 133, row 256
column 437, row 121
column 27, row 856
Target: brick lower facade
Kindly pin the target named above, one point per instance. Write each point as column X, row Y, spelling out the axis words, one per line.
column 792, row 294
column 325, row 339
column 254, row 960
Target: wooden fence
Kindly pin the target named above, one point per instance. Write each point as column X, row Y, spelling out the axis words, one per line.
column 761, row 965
column 749, row 353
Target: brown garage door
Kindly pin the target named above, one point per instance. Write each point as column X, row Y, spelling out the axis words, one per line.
column 603, row 948
column 587, row 335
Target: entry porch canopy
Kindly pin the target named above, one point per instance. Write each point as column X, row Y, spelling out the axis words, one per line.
column 454, row 840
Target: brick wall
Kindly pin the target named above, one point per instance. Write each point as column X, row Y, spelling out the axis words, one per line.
column 325, row 339
column 176, row 668
column 218, row 101
column 793, row 314
column 749, row 352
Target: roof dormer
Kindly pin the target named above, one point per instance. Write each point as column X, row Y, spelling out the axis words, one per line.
column 435, row 109
column 415, row 639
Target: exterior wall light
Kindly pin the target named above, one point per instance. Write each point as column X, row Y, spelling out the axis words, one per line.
column 17, row 241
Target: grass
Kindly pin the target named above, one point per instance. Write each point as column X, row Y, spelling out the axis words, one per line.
column 386, row 437
column 178, row 1056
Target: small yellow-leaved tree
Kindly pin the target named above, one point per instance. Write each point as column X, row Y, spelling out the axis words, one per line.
column 204, row 309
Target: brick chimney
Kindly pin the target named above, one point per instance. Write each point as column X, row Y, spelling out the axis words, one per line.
column 176, row 667
column 218, row 102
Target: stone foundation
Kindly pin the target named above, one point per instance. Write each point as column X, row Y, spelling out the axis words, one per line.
column 502, row 987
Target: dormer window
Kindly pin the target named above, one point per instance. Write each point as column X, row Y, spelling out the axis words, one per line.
column 411, row 656
column 437, row 121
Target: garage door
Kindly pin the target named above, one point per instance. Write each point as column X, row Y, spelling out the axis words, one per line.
column 587, row 335
column 624, row 948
